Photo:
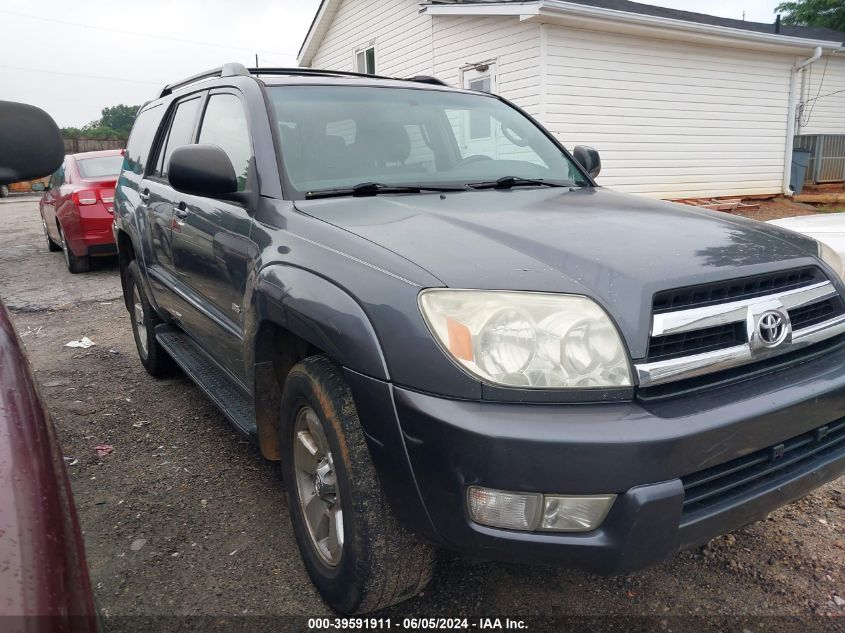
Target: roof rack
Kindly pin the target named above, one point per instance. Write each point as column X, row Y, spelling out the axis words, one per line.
column 427, row 79
column 235, row 69
column 317, row 72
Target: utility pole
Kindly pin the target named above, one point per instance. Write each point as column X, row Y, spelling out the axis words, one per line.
column 256, row 60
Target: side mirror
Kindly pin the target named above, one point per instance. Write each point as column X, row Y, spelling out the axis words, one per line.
column 589, row 159
column 38, row 186
column 31, row 145
column 202, row 170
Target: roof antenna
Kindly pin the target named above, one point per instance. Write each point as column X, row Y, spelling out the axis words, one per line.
column 777, row 23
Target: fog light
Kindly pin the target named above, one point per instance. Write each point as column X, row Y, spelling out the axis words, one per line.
column 510, row 510
column 575, row 514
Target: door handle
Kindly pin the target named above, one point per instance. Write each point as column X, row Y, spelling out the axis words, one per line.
column 145, row 196
column 180, row 211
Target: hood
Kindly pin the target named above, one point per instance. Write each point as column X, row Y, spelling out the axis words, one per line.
column 617, row 248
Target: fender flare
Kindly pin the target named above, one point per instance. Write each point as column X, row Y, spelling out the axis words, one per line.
column 129, row 228
column 318, row 312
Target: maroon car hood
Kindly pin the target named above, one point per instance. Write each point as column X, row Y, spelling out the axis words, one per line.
column 42, row 560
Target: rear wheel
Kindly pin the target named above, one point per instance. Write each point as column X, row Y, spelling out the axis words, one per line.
column 144, row 320
column 51, row 245
column 358, row 555
column 74, row 264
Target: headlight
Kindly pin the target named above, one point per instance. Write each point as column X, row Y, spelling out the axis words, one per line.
column 528, row 340
column 832, row 259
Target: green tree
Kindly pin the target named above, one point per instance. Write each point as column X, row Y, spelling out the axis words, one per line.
column 115, row 123
column 826, row 13
column 119, row 118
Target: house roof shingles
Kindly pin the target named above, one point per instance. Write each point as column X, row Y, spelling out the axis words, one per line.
column 808, row 32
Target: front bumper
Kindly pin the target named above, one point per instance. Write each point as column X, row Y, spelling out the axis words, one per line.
column 642, row 452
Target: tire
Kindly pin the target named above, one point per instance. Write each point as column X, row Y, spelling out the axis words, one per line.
column 4, row 191
column 51, row 245
column 144, row 320
column 379, row 563
column 75, row 264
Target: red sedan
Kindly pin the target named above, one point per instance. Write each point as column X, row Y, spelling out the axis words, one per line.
column 77, row 206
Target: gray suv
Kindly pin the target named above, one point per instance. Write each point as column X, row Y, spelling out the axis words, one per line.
column 424, row 307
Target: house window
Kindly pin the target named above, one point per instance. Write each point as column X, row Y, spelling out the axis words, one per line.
column 479, row 123
column 365, row 60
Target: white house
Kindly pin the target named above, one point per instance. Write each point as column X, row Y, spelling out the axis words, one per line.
column 679, row 104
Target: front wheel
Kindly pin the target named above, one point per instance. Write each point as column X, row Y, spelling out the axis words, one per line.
column 358, row 555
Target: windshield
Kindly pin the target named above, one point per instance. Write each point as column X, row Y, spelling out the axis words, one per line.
column 337, row 137
column 100, row 168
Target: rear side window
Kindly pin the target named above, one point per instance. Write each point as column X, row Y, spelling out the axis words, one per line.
column 141, row 139
column 181, row 133
column 224, row 125
column 58, row 178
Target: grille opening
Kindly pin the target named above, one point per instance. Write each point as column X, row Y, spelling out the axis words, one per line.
column 697, row 342
column 735, row 289
column 813, row 314
column 712, row 486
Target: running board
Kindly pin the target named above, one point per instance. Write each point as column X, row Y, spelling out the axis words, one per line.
column 216, row 383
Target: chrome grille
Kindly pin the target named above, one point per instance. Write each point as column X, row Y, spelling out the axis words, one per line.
column 712, row 336
column 735, row 289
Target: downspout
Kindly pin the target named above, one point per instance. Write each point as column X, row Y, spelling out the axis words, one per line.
column 792, row 114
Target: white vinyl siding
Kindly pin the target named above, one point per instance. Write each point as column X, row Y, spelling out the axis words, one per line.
column 669, row 119
column 402, row 37
column 514, row 46
column 825, row 115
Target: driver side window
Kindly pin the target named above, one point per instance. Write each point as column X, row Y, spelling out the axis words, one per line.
column 224, row 124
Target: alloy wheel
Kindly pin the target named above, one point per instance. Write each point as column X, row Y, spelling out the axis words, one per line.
column 317, row 486
column 65, row 250
column 46, row 234
column 139, row 320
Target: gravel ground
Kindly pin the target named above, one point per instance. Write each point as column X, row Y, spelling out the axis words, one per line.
column 185, row 518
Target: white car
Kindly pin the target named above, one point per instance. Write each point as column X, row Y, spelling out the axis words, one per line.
column 828, row 228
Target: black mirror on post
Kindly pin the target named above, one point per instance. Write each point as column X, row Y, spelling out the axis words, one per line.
column 31, row 145
column 202, row 170
column 589, row 159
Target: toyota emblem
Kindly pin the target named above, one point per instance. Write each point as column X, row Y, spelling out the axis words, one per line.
column 772, row 328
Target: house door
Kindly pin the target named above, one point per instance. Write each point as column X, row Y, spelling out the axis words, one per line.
column 479, row 136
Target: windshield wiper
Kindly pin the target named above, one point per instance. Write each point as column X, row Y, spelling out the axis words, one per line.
column 376, row 188
column 509, row 182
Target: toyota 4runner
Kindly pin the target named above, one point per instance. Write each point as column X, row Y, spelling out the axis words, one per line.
column 424, row 307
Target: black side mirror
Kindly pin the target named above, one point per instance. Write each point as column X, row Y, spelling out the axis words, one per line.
column 202, row 170
column 589, row 159
column 31, row 145
column 38, row 186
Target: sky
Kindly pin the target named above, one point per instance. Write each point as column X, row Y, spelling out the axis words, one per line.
column 74, row 59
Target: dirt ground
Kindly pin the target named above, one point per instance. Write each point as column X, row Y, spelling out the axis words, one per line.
column 185, row 518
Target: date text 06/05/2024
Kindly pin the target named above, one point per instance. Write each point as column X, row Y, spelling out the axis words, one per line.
column 415, row 624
